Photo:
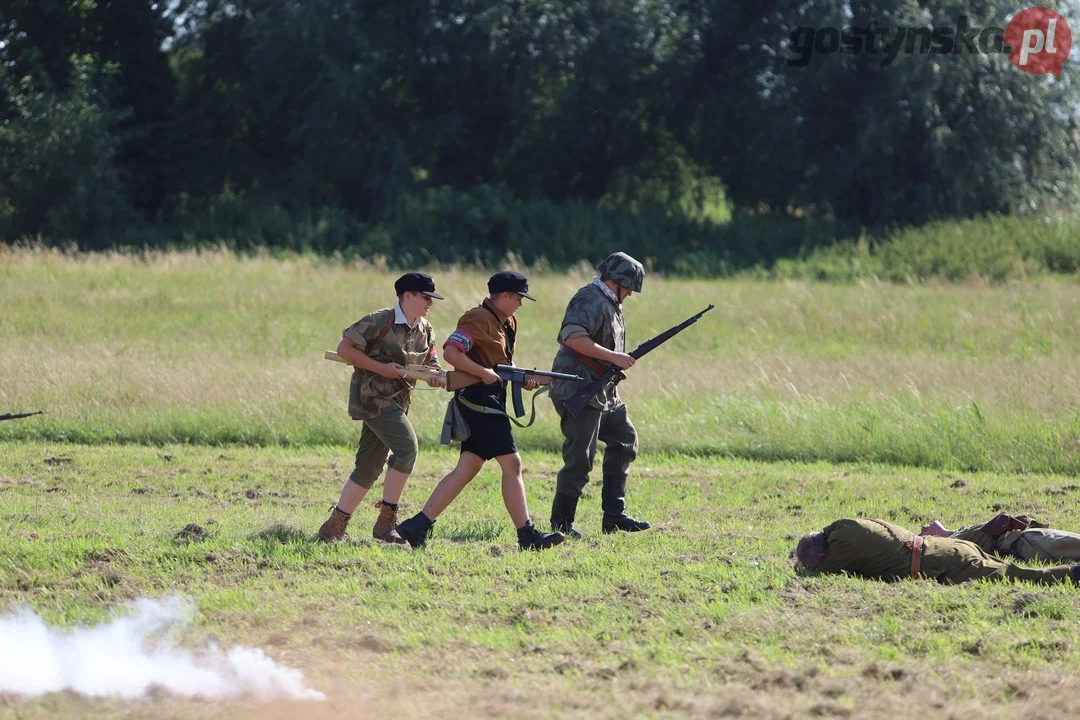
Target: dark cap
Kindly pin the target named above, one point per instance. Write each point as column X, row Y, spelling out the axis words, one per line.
column 417, row 282
column 509, row 281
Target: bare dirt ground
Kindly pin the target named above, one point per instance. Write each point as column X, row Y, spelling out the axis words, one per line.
column 376, row 683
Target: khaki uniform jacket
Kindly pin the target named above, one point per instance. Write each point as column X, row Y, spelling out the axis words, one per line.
column 369, row 393
column 592, row 314
column 869, row 549
column 488, row 338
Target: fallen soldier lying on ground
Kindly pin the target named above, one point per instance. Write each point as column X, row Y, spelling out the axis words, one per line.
column 1021, row 537
column 882, row 550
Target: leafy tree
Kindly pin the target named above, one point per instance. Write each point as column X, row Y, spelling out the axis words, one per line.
column 57, row 150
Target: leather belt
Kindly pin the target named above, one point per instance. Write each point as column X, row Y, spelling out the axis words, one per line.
column 916, row 556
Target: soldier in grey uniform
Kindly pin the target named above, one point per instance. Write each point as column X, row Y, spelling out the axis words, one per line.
column 593, row 335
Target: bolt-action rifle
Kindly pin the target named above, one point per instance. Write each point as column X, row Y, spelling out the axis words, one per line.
column 614, row 373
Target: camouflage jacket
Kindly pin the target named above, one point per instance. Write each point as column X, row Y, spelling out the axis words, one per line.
column 591, row 313
column 369, row 393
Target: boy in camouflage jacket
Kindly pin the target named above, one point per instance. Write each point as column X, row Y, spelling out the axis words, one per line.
column 379, row 346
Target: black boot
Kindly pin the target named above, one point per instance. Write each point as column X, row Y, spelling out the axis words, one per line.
column 614, row 503
column 529, row 538
column 563, row 509
column 416, row 530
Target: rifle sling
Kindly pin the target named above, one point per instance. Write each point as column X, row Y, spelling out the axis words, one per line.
column 483, row 410
column 591, row 363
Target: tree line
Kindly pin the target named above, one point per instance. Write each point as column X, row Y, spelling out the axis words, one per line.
column 126, row 118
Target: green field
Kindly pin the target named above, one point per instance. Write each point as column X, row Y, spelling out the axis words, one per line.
column 185, row 389
column 220, row 349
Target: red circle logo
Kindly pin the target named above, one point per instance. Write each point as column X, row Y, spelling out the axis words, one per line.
column 1040, row 40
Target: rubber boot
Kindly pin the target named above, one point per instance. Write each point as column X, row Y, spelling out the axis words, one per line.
column 613, row 501
column 563, row 510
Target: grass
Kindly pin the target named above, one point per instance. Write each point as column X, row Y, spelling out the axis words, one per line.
column 194, row 439
column 215, row 348
column 701, row 616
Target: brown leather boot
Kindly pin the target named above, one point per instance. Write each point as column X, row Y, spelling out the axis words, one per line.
column 386, row 525
column 333, row 529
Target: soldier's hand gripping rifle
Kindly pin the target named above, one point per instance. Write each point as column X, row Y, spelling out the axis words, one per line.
column 614, row 373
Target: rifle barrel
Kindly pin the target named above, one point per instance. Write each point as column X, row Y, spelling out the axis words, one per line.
column 580, row 399
column 16, row 416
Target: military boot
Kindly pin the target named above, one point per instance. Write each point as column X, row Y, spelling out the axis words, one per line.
column 563, row 509
column 333, row 529
column 416, row 530
column 386, row 525
column 613, row 501
column 529, row 538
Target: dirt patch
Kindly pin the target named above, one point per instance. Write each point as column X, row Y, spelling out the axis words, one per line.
column 106, row 555
column 6, row 482
column 192, row 532
column 408, row 684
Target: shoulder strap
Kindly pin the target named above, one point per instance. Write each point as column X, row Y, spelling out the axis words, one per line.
column 495, row 411
column 892, row 531
column 382, row 333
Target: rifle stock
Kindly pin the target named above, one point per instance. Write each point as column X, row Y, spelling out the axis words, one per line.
column 455, row 379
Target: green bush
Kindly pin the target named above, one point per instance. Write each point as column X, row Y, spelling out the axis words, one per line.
column 485, row 224
column 997, row 248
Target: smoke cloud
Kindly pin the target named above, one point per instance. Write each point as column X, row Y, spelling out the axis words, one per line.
column 131, row 656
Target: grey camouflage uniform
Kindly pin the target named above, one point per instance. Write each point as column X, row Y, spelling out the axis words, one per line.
column 1036, row 542
column 595, row 314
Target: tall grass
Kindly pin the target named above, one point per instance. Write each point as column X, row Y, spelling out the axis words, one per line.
column 215, row 347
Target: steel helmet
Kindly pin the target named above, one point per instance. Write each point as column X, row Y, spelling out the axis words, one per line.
column 623, row 270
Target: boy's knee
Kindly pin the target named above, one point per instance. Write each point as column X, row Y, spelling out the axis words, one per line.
column 511, row 466
column 363, row 477
column 404, row 458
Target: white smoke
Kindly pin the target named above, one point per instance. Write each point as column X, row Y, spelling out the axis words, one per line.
column 118, row 659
